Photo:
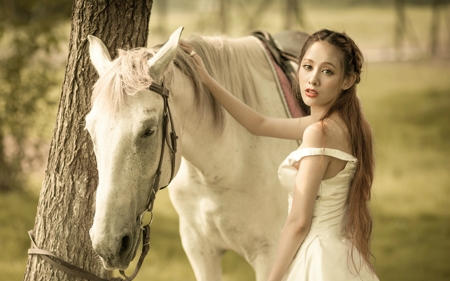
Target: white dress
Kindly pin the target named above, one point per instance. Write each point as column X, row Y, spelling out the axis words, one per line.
column 323, row 254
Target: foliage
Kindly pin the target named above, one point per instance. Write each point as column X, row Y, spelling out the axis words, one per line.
column 29, row 38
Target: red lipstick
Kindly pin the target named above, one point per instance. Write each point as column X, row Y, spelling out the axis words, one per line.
column 310, row 93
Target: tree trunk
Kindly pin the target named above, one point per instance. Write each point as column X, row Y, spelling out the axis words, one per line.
column 223, row 15
column 66, row 204
column 400, row 27
column 436, row 7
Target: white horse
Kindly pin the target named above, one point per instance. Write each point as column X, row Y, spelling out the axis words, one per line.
column 226, row 189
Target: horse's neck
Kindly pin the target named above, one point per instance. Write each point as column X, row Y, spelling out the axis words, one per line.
column 200, row 142
column 202, row 145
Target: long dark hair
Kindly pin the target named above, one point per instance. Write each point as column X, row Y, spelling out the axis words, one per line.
column 358, row 223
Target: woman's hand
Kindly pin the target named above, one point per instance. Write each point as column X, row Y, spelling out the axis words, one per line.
column 253, row 121
column 198, row 62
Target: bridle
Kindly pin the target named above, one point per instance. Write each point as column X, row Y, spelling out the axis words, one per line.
column 171, row 144
column 145, row 218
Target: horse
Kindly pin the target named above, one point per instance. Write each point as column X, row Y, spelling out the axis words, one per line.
column 225, row 190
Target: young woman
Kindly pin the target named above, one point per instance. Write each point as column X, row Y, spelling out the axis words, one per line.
column 329, row 177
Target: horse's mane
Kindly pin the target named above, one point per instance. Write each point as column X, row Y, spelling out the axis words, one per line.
column 127, row 75
column 229, row 61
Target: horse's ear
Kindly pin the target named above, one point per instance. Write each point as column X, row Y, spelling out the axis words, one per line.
column 158, row 63
column 99, row 54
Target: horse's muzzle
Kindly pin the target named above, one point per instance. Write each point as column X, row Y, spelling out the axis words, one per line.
column 115, row 252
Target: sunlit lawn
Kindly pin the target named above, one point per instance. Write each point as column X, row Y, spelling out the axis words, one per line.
column 412, row 189
column 408, row 105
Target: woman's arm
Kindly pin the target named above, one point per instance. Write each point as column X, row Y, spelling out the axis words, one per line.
column 309, row 177
column 254, row 122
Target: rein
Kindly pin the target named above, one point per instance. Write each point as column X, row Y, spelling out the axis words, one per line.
column 145, row 218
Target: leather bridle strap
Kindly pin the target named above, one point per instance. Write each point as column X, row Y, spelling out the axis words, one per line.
column 167, row 118
column 167, row 115
column 79, row 272
column 63, row 265
column 145, row 226
column 145, row 249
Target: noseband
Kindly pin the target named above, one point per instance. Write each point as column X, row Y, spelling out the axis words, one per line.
column 146, row 217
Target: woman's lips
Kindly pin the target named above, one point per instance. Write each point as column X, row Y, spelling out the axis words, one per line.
column 311, row 93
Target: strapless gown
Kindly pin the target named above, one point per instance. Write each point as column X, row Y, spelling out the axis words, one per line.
column 323, row 254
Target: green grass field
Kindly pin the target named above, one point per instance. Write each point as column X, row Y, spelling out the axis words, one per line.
column 411, row 238
column 408, row 105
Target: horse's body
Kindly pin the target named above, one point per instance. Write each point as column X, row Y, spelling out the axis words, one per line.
column 226, row 190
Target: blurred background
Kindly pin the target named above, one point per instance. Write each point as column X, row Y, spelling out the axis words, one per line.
column 405, row 90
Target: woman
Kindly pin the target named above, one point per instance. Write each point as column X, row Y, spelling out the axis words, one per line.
column 329, row 177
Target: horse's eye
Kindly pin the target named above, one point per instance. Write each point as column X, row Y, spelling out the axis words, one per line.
column 148, row 133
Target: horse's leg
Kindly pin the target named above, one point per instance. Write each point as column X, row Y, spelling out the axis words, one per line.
column 262, row 266
column 261, row 256
column 204, row 258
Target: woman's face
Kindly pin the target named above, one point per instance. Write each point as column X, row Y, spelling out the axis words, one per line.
column 321, row 75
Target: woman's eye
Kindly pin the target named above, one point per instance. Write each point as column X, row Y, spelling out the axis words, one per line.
column 327, row 71
column 307, row 67
column 148, row 133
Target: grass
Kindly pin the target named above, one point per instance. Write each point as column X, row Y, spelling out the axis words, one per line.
column 412, row 248
column 408, row 105
column 411, row 129
column 410, row 116
column 18, row 210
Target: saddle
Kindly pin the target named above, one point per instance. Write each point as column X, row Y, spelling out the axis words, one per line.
column 284, row 48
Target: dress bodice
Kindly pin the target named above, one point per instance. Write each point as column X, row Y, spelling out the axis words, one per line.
column 331, row 198
column 324, row 251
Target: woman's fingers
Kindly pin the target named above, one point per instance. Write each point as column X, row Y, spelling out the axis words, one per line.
column 197, row 60
column 190, row 50
column 186, row 47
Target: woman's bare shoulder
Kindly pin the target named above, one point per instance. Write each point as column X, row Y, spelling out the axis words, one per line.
column 330, row 133
column 313, row 135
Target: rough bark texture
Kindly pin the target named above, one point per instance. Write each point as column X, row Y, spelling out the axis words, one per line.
column 66, row 204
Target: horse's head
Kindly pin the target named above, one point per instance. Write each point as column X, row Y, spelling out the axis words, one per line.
column 126, row 128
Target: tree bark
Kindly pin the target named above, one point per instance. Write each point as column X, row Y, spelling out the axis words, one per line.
column 66, row 204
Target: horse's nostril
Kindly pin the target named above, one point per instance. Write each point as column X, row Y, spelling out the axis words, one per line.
column 125, row 245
